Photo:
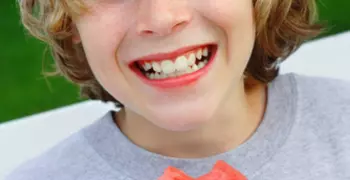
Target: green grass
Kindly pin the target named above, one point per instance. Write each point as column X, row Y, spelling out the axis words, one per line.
column 25, row 91
column 336, row 13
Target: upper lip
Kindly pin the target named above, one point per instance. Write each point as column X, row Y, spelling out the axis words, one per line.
column 169, row 55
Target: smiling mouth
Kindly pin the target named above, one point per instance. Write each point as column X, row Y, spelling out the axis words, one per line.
column 180, row 68
column 187, row 63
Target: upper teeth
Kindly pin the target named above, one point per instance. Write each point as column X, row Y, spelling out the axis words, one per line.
column 205, row 52
column 181, row 63
column 199, row 54
column 156, row 67
column 191, row 59
column 147, row 66
column 168, row 66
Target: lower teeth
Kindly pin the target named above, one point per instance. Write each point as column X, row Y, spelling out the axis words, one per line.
column 189, row 70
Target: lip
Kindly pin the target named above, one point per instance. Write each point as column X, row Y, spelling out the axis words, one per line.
column 181, row 81
column 169, row 55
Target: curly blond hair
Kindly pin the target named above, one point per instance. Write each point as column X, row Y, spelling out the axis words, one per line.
column 281, row 27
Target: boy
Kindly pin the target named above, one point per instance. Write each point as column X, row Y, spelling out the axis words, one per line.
column 197, row 82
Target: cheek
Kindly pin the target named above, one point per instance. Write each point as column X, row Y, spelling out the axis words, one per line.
column 101, row 32
column 236, row 20
column 227, row 14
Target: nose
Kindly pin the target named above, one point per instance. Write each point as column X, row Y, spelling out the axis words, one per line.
column 162, row 17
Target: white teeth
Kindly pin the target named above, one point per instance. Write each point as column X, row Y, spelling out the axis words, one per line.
column 167, row 66
column 181, row 63
column 189, row 70
column 199, row 54
column 201, row 64
column 157, row 76
column 172, row 74
column 191, row 59
column 175, row 73
column 147, row 66
column 162, row 75
column 179, row 73
column 205, row 52
column 156, row 67
column 195, row 67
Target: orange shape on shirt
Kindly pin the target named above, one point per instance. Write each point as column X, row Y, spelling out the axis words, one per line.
column 220, row 171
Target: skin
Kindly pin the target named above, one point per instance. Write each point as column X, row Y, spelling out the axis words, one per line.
column 212, row 116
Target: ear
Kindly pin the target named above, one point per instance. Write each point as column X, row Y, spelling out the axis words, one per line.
column 76, row 36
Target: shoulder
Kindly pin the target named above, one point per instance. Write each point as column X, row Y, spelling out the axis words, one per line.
column 71, row 159
column 318, row 95
column 335, row 89
column 323, row 107
column 323, row 96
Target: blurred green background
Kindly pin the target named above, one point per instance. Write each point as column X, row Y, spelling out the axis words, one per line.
column 25, row 91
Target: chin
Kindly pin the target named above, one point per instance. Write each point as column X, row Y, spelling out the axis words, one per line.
column 183, row 118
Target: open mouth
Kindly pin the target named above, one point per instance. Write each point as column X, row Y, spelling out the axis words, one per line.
column 185, row 64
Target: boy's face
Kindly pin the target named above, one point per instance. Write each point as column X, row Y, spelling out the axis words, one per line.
column 121, row 37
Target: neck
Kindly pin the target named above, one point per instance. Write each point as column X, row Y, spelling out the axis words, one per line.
column 234, row 123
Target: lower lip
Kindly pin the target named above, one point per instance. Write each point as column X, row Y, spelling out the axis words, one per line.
column 181, row 81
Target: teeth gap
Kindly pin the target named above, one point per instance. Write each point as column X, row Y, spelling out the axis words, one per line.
column 138, row 66
column 204, row 58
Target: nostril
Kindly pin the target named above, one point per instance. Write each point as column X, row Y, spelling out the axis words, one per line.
column 147, row 32
column 166, row 24
column 178, row 26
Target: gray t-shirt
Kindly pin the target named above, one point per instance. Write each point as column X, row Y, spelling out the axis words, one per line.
column 304, row 135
